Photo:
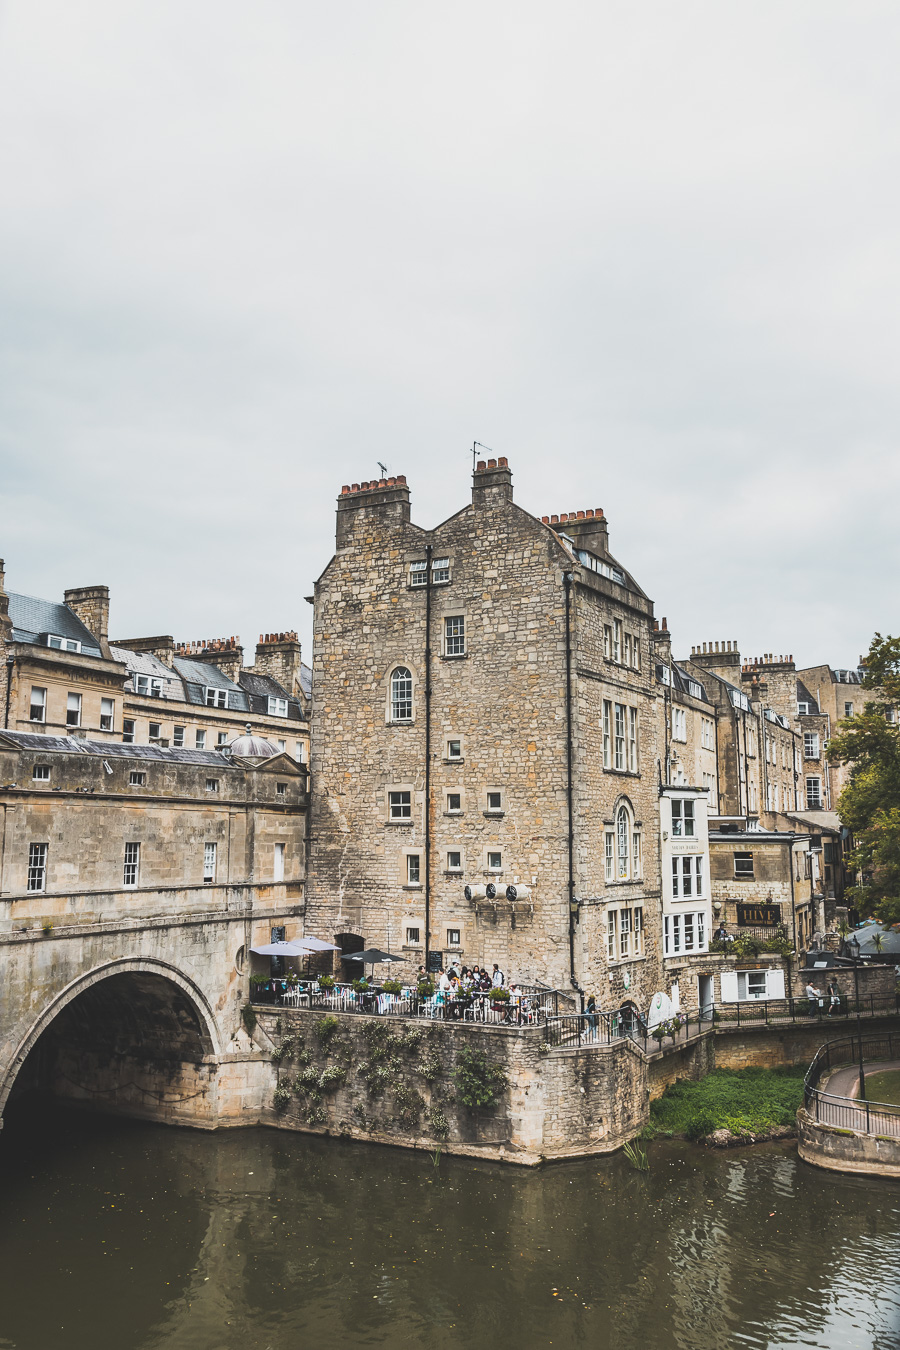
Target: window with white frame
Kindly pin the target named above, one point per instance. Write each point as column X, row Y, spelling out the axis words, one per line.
column 707, row 733
column 607, row 734
column 623, row 840
column 413, row 868
column 107, row 713
column 679, row 724
column 636, row 856
column 73, row 710
column 128, row 730
column 222, row 739
column 813, row 792
column 200, row 740
column 401, row 695
column 494, row 860
column 37, row 867
column 453, row 937
column 62, row 644
column 132, row 865
column 412, row 937
column 687, row 876
column 624, row 934
column 607, row 641
column 41, row 773
column 752, row 983
column 38, row 704
column 617, row 640
column 628, row 649
column 440, row 571
column 632, row 741
column 684, row 933
column 216, row 698
column 610, row 856
column 400, row 805
column 454, row 749
column 454, row 803
column 454, row 635
column 753, row 795
column 627, row 933
column 155, row 732
column 281, row 745
column 709, row 783
column 636, row 652
column 495, row 802
column 136, row 778
column 418, row 572
column 810, row 745
column 454, row 860
column 281, row 789
column 278, row 707
column 802, row 709
column 148, row 685
column 209, row 862
column 619, row 744
column 612, row 929
column 682, row 818
column 751, row 741
column 212, row 784
column 848, row 709
column 300, row 751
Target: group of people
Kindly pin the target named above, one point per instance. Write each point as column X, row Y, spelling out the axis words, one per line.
column 817, row 998
column 459, row 985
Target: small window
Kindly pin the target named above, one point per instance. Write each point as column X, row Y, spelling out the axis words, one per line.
column 212, row 784
column 200, row 740
column 617, row 640
column 813, row 793
column 401, row 695
column 221, row 739
column 37, row 867
column 107, row 713
column 132, row 863
column 61, row 644
column 41, row 773
column 743, row 864
column 495, row 862
column 810, row 745
column 136, row 778
column 412, row 937
column 155, row 732
column 802, row 709
column 494, row 801
column 282, row 746
column 453, row 935
column 278, row 868
column 216, row 698
column 278, row 707
column 128, row 730
column 400, row 805
column 455, row 636
column 454, row 861
column 848, row 709
column 454, row 801
column 280, row 789
column 679, row 725
column 38, row 704
column 412, row 869
column 609, row 856
column 607, row 641
column 418, row 573
column 178, row 736
column 148, row 685
column 682, row 819
column 454, row 749
column 440, row 571
column 209, row 862
column 73, row 710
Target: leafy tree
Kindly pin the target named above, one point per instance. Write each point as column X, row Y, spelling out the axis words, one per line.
column 870, row 803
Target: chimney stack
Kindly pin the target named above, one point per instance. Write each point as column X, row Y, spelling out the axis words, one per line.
column 492, row 483
column 91, row 605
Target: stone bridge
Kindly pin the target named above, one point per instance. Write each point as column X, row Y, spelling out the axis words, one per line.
column 141, row 1017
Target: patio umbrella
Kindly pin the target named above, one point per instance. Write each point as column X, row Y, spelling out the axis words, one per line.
column 372, row 957
column 317, row 945
column 298, row 948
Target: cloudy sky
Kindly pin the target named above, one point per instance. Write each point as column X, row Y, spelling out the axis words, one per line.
column 646, row 251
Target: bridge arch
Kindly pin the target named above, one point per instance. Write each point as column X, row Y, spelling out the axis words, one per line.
column 144, row 1004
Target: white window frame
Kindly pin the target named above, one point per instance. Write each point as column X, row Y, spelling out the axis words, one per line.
column 609, row 855
column 810, row 745
column 454, row 936
column 632, row 740
column 131, row 867
column 129, row 727
column 401, row 694
column 212, row 785
column 61, row 644
column 455, row 748
column 278, row 707
column 617, row 640
column 612, row 934
column 73, row 705
column 40, row 773
column 607, row 733
column 398, row 808
column 413, row 869
column 148, row 686
column 136, row 778
column 418, row 572
column 813, row 792
column 685, row 933
column 454, row 810
column 413, row 936
column 199, row 739
column 683, row 818
column 440, row 571
column 451, row 865
column 620, row 722
column 744, row 871
column 623, row 831
column 210, row 852
column 39, row 704
column 494, row 860
column 37, row 868
column 687, row 876
column 454, row 635
column 216, row 698
column 679, row 725
column 107, row 713
column 607, row 641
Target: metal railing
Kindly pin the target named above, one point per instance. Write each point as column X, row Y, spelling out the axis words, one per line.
column 848, row 1113
column 532, row 1006
column 574, row 1030
column 784, row 1011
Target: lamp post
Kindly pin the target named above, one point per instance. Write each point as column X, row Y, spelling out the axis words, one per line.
column 853, row 944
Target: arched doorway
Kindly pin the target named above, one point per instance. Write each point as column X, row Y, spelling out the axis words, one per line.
column 349, row 943
column 133, row 1038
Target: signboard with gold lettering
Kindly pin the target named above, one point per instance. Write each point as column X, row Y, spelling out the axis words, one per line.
column 758, row 916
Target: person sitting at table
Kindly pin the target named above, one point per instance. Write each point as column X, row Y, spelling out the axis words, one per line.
column 484, row 982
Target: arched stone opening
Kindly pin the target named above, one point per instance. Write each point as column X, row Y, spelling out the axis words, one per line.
column 133, row 1038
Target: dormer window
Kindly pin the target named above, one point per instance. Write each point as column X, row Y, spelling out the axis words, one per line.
column 216, row 698
column 61, row 644
column 278, row 707
column 147, row 685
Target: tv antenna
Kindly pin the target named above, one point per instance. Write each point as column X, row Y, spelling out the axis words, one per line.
column 479, row 446
column 382, row 467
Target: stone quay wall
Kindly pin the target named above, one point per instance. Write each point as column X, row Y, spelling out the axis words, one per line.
column 846, row 1150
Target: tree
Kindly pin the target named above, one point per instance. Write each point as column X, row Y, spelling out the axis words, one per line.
column 869, row 805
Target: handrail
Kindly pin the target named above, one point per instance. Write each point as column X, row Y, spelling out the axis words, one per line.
column 832, row 1108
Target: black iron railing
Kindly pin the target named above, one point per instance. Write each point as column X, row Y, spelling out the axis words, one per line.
column 529, row 1006
column 848, row 1113
column 788, row 1010
column 574, row 1030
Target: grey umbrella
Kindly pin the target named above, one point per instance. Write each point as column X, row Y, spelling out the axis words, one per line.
column 372, row 957
column 297, row 948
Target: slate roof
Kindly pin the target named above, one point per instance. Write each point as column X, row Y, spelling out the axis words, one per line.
column 804, row 696
column 260, row 688
column 198, row 676
column 306, row 679
column 32, row 618
column 145, row 663
column 26, row 740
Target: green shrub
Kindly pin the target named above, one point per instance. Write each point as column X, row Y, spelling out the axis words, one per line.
column 702, row 1124
column 478, row 1081
column 392, row 987
column 742, row 1100
column 325, row 1029
column 248, row 1017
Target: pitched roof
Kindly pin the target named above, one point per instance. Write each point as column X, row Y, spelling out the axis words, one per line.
column 198, row 676
column 32, row 618
column 27, row 740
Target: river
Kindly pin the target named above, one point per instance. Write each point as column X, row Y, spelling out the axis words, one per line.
column 120, row 1235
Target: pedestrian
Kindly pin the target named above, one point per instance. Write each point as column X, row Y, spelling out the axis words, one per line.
column 813, row 994
column 834, row 993
column 591, row 1020
column 498, row 979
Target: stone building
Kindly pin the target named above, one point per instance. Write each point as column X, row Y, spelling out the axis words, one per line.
column 486, row 743
column 62, row 676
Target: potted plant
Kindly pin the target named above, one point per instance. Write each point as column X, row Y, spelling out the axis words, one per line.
column 425, row 988
column 326, row 982
column 392, row 987
column 499, row 998
column 361, row 986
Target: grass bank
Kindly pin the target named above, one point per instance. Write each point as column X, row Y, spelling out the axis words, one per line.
column 884, row 1086
column 745, row 1101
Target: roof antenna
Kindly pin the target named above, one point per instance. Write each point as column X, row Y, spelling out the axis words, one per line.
column 480, row 447
column 382, row 467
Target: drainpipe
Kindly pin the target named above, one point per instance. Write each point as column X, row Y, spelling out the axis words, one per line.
column 793, row 907
column 10, row 664
column 428, row 552
column 573, row 905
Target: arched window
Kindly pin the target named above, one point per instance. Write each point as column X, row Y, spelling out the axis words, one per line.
column 623, row 841
column 401, row 695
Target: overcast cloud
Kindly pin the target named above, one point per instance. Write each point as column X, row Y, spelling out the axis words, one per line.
column 646, row 251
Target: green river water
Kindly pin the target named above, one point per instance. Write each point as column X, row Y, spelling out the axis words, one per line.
column 118, row 1235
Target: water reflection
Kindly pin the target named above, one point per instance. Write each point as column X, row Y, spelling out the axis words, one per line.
column 125, row 1235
